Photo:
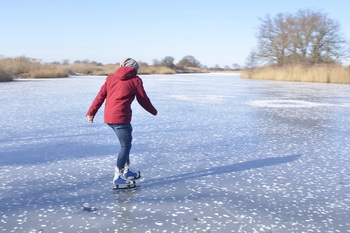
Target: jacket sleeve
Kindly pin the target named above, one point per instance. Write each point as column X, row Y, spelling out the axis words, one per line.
column 98, row 101
column 143, row 99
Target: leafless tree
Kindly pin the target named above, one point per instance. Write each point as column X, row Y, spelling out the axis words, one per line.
column 236, row 66
column 168, row 61
column 307, row 37
column 189, row 61
column 252, row 60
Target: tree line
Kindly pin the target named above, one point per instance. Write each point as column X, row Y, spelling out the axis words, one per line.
column 25, row 67
column 167, row 61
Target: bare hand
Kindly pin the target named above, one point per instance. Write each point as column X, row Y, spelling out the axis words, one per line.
column 90, row 119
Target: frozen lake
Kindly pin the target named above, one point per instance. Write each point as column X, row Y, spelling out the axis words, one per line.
column 224, row 154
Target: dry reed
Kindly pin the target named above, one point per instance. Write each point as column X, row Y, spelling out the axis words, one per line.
column 317, row 73
column 48, row 71
column 93, row 69
column 104, row 70
column 31, row 68
column 155, row 70
column 83, row 68
column 24, row 67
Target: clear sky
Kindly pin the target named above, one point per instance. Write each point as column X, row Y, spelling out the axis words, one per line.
column 220, row 32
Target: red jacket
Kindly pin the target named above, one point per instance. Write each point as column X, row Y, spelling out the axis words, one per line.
column 119, row 91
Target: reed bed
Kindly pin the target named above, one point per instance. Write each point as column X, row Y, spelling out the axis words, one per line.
column 24, row 67
column 103, row 70
column 90, row 69
column 31, row 68
column 146, row 69
column 47, row 71
column 317, row 73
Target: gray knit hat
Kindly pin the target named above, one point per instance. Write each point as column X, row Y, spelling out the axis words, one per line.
column 130, row 63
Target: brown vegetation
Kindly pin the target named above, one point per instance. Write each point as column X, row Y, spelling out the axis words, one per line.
column 31, row 68
column 24, row 67
column 103, row 70
column 92, row 68
column 5, row 76
column 318, row 73
column 47, row 71
column 156, row 69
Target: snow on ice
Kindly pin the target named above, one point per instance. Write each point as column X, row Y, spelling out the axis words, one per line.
column 224, row 155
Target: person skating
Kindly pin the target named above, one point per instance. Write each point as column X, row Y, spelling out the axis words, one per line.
column 119, row 91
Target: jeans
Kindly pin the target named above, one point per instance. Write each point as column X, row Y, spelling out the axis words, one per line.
column 124, row 134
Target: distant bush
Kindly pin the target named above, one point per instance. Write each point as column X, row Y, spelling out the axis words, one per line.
column 189, row 61
column 5, row 76
column 317, row 73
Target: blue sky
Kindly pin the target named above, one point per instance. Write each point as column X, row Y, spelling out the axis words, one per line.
column 220, row 32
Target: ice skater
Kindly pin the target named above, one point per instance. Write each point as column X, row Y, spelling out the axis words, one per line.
column 119, row 91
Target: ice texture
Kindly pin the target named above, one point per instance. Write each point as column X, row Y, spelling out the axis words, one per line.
column 224, row 154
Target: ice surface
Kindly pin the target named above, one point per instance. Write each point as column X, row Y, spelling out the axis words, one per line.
column 224, row 155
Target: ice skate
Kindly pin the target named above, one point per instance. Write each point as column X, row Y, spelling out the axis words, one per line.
column 121, row 182
column 131, row 175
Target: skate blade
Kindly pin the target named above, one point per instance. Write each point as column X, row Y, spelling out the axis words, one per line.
column 126, row 187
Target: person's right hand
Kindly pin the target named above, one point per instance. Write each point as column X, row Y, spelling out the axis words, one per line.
column 90, row 119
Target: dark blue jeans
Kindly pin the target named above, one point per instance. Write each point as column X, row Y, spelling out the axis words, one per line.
column 124, row 133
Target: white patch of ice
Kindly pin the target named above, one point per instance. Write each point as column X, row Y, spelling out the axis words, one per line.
column 208, row 99
column 286, row 104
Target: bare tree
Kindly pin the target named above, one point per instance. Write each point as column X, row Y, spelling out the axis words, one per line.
column 236, row 66
column 168, row 61
column 156, row 62
column 307, row 37
column 189, row 61
column 252, row 61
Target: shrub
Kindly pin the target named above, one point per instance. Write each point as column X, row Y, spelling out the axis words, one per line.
column 5, row 76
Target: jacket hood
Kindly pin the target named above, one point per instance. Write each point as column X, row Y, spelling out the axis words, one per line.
column 125, row 73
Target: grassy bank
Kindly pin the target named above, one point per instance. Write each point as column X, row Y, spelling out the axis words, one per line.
column 24, row 67
column 319, row 73
column 31, row 68
column 98, row 69
column 152, row 69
